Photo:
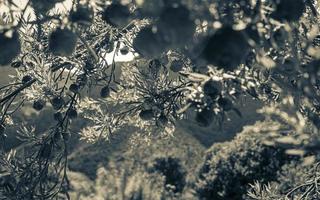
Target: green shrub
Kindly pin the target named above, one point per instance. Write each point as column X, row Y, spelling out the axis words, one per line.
column 231, row 166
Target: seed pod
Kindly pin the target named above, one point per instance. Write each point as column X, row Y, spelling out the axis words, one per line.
column 212, row 88
column 116, row 15
column 226, row 49
column 288, row 10
column 150, row 8
column 105, row 92
column 124, row 50
column 44, row 6
column 62, row 42
column 176, row 26
column 10, row 47
column 57, row 102
column 26, row 79
column 82, row 15
column 149, row 43
column 146, row 115
column 16, row 64
column 74, row 88
column 58, row 116
column 72, row 113
column 225, row 103
column 39, row 104
column 176, row 65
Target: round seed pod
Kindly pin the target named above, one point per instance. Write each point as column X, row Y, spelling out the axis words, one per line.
column 58, row 116
column 146, row 115
column 39, row 104
column 62, row 42
column 105, row 92
column 124, row 50
column 225, row 103
column 57, row 102
column 176, row 26
column 82, row 15
column 72, row 113
column 212, row 88
column 226, row 49
column 150, row 8
column 16, row 64
column 288, row 10
column 176, row 65
column 26, row 79
column 74, row 88
column 149, row 43
column 116, row 15
column 44, row 6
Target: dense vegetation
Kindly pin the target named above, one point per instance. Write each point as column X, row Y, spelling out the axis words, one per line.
column 121, row 99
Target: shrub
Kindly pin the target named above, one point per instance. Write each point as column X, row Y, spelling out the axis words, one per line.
column 295, row 180
column 230, row 166
column 172, row 170
column 119, row 182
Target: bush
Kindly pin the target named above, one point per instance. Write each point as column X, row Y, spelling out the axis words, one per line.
column 292, row 175
column 117, row 182
column 295, row 179
column 172, row 170
column 229, row 167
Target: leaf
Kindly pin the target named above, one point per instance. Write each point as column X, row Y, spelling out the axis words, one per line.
column 287, row 140
column 195, row 77
column 267, row 62
column 309, row 160
column 314, row 52
column 268, row 143
column 295, row 152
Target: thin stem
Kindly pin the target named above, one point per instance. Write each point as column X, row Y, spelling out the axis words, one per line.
column 17, row 91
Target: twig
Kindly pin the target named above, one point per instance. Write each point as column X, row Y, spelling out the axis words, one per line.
column 17, row 91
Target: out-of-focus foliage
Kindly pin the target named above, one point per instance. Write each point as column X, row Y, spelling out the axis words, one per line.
column 173, row 172
column 189, row 58
column 120, row 181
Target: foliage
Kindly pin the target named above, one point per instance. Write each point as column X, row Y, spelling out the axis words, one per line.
column 299, row 181
column 173, row 172
column 117, row 181
column 263, row 191
column 229, row 167
column 190, row 56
